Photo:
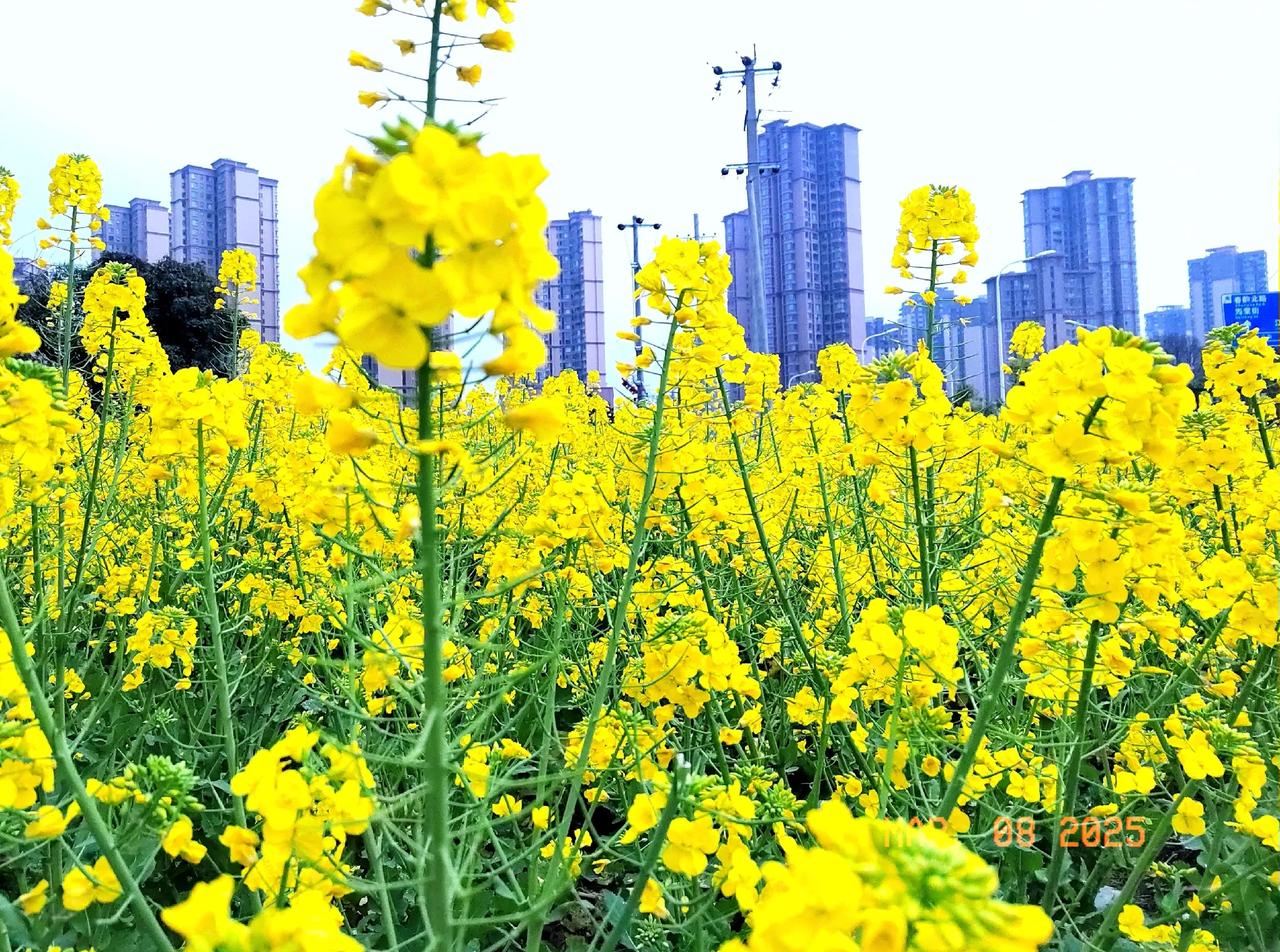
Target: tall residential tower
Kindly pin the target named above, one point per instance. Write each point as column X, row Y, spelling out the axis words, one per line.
column 811, row 229
column 1090, row 223
column 1220, row 272
column 576, row 297
column 229, row 206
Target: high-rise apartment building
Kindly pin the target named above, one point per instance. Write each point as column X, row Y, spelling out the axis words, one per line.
column 140, row 228
column 576, row 297
column 229, row 206
column 1220, row 272
column 1168, row 320
column 1048, row 292
column 1090, row 223
column 811, row 230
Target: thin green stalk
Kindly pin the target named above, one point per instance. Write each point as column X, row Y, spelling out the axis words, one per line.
column 437, row 885
column 1072, row 779
column 1004, row 660
column 68, row 310
column 604, row 675
column 922, row 539
column 226, row 725
column 373, row 846
column 70, row 776
column 647, row 865
column 1106, row 936
column 92, row 490
column 841, row 596
column 771, row 561
column 1262, row 433
column 882, row 791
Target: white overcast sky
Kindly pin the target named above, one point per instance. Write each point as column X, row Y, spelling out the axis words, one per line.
column 996, row 95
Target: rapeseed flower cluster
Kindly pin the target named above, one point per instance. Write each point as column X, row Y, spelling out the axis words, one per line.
column 405, row 241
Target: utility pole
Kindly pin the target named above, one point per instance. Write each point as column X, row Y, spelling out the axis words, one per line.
column 635, row 225
column 753, row 167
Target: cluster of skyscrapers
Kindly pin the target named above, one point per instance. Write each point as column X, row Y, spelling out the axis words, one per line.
column 1079, row 270
column 211, row 210
column 811, row 229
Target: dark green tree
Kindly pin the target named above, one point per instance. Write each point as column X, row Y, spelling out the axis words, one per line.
column 180, row 309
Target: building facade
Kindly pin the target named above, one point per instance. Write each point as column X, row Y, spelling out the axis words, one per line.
column 811, row 225
column 576, row 297
column 230, row 205
column 1090, row 223
column 140, row 228
column 1168, row 320
column 963, row 343
column 26, row 270
column 1220, row 272
column 403, row 382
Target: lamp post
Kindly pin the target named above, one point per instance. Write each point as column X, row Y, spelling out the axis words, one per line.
column 794, row 377
column 893, row 329
column 1000, row 324
column 635, row 225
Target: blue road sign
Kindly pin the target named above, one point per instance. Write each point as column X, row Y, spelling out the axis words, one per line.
column 1260, row 311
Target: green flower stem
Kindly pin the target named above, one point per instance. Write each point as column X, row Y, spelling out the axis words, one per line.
column 1262, row 433
column 922, row 539
column 68, row 310
column 233, row 349
column 646, row 867
column 788, row 610
column 67, row 769
column 226, row 725
column 1072, row 779
column 882, row 790
column 1004, row 660
column 1107, row 933
column 91, row 492
column 437, row 884
column 373, row 846
column 842, row 597
column 604, row 675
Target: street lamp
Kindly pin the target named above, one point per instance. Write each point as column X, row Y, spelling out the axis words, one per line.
column 635, row 225
column 794, row 377
column 999, row 323
column 892, row 329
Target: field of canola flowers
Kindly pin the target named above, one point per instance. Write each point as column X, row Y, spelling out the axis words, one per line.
column 843, row 667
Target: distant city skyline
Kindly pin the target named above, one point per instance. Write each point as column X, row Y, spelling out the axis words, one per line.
column 1090, row 223
column 606, row 147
